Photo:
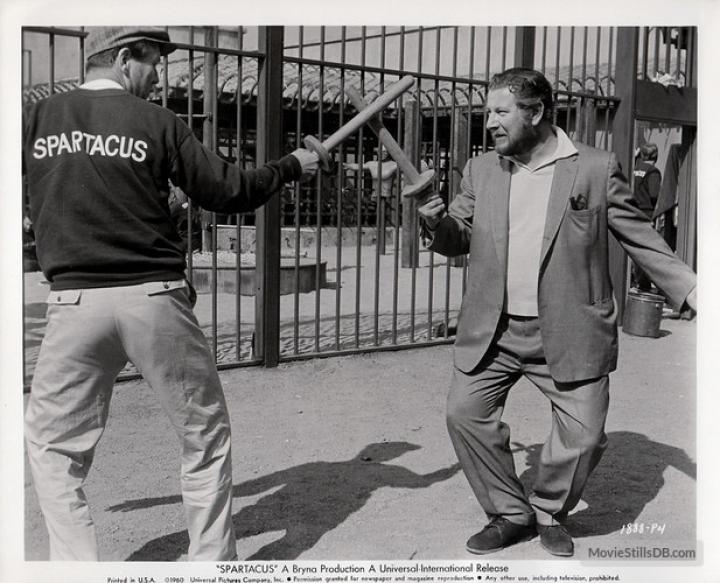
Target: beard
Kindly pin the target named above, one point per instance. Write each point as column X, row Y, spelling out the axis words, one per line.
column 517, row 142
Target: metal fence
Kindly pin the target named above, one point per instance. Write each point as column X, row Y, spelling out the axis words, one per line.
column 345, row 255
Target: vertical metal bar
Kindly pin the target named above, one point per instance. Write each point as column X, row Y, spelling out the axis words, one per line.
column 596, row 101
column 468, row 137
column 436, row 164
column 238, row 222
column 570, row 81
column 610, row 61
column 380, row 209
column 413, row 135
column 488, row 37
column 656, row 56
column 421, row 38
column 81, row 59
column 419, row 124
column 165, row 81
column 504, row 47
column 298, row 195
column 269, row 132
column 558, row 46
column 397, row 198
column 381, row 201
column 668, row 32
column 678, row 50
column 51, row 56
column 584, row 57
column 319, row 184
column 598, row 36
column 214, row 137
column 190, row 209
column 488, row 42
column 582, row 112
column 340, row 190
column 606, row 144
column 544, row 48
column 471, row 59
column 360, row 192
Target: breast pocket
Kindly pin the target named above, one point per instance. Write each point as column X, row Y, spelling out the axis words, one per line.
column 583, row 225
column 586, row 253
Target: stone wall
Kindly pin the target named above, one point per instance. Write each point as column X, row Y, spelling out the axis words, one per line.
column 227, row 238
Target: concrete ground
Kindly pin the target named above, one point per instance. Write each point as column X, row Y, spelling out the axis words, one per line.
column 348, row 458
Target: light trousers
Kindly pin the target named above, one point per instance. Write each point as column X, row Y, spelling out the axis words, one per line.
column 91, row 335
column 482, row 440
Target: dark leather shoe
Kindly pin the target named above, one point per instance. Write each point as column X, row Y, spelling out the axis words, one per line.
column 556, row 540
column 498, row 534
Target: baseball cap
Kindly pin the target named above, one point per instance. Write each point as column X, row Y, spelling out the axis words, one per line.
column 102, row 38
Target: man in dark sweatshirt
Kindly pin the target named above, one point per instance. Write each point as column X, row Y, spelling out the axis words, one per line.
column 97, row 161
column 647, row 181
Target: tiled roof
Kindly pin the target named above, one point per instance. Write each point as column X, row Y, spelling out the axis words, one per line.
column 181, row 74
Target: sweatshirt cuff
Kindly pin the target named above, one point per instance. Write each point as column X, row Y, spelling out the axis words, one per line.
column 290, row 168
column 427, row 235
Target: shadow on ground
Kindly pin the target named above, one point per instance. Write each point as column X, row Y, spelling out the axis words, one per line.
column 305, row 501
column 628, row 477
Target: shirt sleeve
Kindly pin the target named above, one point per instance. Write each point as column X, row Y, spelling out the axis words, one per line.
column 222, row 187
column 451, row 236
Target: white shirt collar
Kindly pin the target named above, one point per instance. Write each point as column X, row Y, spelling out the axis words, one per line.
column 564, row 149
column 97, row 84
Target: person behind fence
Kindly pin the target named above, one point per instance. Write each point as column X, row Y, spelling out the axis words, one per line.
column 534, row 216
column 98, row 160
column 384, row 168
column 646, row 189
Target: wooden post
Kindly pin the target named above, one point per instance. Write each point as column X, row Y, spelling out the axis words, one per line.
column 623, row 138
column 525, row 47
column 269, row 147
column 686, row 245
column 410, row 243
column 687, row 196
column 209, row 100
column 460, row 156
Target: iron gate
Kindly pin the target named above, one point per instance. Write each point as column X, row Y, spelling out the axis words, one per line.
column 334, row 266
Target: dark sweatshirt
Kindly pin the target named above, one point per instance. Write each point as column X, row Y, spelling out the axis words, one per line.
column 97, row 164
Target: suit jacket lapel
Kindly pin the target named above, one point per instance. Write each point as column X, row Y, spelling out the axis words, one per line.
column 500, row 202
column 562, row 184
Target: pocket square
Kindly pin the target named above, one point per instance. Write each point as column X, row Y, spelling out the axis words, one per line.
column 578, row 203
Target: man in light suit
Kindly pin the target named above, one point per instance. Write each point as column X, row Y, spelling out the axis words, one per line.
column 534, row 215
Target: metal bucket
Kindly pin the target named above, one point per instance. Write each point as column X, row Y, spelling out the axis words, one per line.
column 643, row 313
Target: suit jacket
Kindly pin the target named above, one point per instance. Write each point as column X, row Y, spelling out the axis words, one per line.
column 575, row 298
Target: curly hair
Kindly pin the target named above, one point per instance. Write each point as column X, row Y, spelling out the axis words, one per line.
column 530, row 88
